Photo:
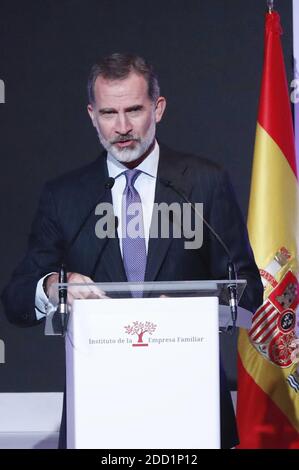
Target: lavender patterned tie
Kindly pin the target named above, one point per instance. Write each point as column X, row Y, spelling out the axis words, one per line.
column 133, row 242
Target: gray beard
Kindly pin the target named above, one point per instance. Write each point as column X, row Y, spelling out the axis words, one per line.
column 127, row 155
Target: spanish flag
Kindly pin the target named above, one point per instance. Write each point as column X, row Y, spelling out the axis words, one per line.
column 268, row 382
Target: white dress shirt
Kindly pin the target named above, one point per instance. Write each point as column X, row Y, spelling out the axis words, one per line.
column 145, row 184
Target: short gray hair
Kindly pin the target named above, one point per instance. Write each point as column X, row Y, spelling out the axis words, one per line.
column 118, row 66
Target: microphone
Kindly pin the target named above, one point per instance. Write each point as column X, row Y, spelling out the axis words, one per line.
column 232, row 274
column 109, row 183
column 62, row 308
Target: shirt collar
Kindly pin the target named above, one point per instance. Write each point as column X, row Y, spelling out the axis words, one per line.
column 148, row 166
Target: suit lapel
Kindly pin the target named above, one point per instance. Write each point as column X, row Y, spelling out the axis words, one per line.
column 107, row 252
column 172, row 168
column 97, row 249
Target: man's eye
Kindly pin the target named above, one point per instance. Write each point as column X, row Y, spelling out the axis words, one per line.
column 108, row 114
column 134, row 111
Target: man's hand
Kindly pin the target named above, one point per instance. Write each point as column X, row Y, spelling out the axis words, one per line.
column 74, row 292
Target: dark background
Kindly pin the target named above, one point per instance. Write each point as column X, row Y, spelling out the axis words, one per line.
column 208, row 55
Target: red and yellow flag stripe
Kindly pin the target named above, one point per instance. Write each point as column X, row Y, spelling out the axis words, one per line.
column 268, row 406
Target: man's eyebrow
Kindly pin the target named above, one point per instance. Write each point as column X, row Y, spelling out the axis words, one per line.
column 136, row 107
column 107, row 110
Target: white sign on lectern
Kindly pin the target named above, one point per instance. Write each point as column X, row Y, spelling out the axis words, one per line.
column 143, row 372
column 157, row 389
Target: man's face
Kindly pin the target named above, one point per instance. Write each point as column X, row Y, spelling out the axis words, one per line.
column 124, row 116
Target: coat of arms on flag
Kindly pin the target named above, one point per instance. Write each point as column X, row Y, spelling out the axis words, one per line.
column 273, row 324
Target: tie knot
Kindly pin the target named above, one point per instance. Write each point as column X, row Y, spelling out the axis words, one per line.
column 131, row 176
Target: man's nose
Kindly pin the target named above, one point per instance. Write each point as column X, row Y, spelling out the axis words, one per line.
column 123, row 124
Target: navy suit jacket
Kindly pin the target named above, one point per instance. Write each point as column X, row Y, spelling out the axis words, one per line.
column 63, row 231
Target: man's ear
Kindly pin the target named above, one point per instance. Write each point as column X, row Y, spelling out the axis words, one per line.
column 90, row 111
column 160, row 108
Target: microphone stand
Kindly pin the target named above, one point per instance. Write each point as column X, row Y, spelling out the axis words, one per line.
column 232, row 289
column 62, row 308
column 232, row 276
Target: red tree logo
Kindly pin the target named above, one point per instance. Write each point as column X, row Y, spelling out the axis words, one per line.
column 139, row 328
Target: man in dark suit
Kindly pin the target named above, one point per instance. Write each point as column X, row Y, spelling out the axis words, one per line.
column 124, row 106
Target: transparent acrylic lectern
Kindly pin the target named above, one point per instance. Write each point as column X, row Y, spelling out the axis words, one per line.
column 142, row 363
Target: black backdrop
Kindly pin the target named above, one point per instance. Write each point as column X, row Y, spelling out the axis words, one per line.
column 208, row 55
